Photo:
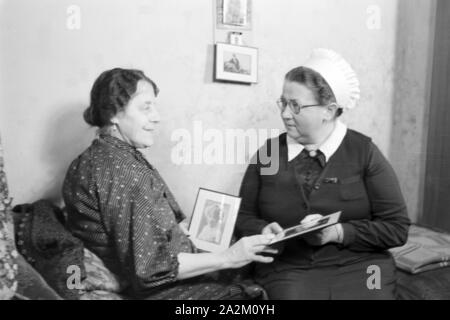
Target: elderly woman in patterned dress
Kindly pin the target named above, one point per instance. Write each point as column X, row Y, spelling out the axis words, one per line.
column 123, row 211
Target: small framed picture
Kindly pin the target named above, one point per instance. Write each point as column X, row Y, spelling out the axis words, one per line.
column 234, row 14
column 236, row 63
column 212, row 222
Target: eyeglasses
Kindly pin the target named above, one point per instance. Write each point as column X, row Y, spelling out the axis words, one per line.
column 293, row 105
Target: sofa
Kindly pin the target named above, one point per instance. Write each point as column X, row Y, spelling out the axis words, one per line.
column 39, row 259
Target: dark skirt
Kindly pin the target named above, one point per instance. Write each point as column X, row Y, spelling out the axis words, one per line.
column 371, row 279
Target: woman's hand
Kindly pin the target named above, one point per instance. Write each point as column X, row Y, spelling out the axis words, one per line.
column 243, row 252
column 323, row 236
column 247, row 250
column 272, row 228
column 184, row 226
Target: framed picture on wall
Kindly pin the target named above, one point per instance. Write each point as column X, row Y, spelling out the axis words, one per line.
column 236, row 63
column 234, row 14
column 213, row 219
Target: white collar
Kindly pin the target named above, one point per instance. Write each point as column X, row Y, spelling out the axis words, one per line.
column 328, row 148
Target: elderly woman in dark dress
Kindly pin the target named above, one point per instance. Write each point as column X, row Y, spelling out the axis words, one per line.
column 123, row 211
column 325, row 167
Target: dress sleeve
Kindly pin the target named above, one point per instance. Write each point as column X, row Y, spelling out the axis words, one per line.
column 248, row 220
column 143, row 232
column 389, row 224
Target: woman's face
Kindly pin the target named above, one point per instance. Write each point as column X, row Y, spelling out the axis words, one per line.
column 302, row 126
column 137, row 121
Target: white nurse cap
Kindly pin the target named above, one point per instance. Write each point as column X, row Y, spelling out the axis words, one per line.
column 338, row 74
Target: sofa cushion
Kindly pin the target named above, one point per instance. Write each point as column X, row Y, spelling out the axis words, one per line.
column 49, row 248
column 98, row 277
column 429, row 285
column 31, row 285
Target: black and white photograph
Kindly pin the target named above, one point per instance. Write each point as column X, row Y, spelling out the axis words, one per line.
column 236, row 63
column 208, row 151
column 307, row 226
column 235, row 12
column 213, row 220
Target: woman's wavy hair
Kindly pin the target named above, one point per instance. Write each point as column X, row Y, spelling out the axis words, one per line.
column 111, row 92
column 315, row 82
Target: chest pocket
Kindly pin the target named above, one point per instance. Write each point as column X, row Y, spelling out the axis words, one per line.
column 352, row 188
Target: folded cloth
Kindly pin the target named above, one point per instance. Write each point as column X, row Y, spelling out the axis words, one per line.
column 51, row 249
column 425, row 250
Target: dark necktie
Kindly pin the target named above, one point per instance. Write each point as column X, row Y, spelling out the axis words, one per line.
column 307, row 168
column 315, row 154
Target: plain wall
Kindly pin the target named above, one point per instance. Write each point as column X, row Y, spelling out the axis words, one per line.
column 47, row 70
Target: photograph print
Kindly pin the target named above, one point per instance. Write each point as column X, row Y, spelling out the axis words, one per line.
column 234, row 14
column 213, row 219
column 236, row 63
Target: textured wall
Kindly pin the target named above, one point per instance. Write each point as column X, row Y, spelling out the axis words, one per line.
column 47, row 71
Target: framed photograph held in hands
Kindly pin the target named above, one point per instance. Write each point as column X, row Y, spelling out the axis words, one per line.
column 213, row 219
column 303, row 228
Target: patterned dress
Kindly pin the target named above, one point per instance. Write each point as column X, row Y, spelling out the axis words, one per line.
column 122, row 210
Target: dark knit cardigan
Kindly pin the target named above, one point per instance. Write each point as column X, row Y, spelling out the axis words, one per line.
column 356, row 180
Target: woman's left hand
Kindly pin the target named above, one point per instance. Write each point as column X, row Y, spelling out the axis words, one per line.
column 184, row 227
column 323, row 236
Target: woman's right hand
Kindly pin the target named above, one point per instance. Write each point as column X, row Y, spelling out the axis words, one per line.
column 273, row 228
column 247, row 250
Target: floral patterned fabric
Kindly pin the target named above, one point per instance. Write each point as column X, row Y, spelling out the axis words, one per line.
column 8, row 253
column 98, row 277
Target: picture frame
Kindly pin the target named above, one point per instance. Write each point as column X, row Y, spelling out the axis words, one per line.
column 234, row 14
column 302, row 228
column 235, row 63
column 213, row 218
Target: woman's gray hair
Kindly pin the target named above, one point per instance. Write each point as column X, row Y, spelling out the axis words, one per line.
column 316, row 83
